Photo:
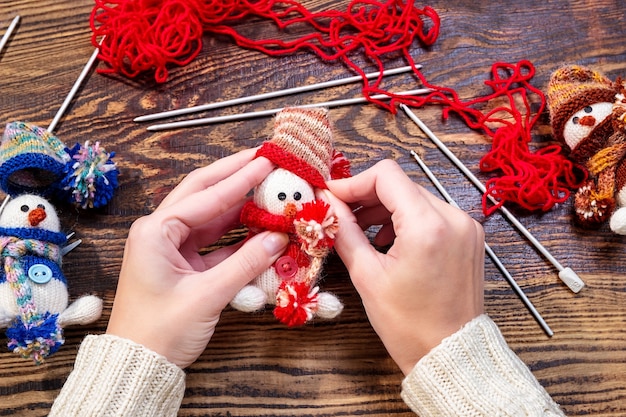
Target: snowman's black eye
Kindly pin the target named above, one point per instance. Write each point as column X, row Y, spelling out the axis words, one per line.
column 24, row 208
column 41, row 206
column 575, row 120
column 282, row 196
column 297, row 196
column 588, row 109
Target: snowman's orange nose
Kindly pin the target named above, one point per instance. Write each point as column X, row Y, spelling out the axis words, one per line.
column 587, row 121
column 36, row 216
column 290, row 210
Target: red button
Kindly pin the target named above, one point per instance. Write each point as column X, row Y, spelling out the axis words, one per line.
column 286, row 267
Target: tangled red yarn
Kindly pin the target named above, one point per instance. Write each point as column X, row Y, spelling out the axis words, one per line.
column 151, row 35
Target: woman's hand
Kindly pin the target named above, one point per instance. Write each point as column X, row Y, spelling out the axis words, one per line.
column 430, row 281
column 169, row 297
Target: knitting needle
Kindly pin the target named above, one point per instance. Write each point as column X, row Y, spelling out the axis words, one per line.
column 4, row 203
column 250, row 115
column 71, row 246
column 273, row 94
column 74, row 89
column 488, row 249
column 567, row 275
column 7, row 34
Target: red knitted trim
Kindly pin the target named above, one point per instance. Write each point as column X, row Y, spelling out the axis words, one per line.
column 292, row 163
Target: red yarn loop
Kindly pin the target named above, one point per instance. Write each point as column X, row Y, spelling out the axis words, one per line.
column 151, row 35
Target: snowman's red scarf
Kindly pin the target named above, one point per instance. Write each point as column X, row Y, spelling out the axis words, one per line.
column 258, row 220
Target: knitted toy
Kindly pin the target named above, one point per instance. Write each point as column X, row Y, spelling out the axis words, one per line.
column 587, row 114
column 34, row 160
column 33, row 290
column 287, row 201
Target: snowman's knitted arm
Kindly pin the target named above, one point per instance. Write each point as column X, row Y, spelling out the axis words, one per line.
column 474, row 372
column 117, row 377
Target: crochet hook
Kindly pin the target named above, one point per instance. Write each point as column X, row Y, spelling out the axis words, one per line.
column 272, row 94
column 567, row 275
column 7, row 34
column 488, row 249
column 250, row 115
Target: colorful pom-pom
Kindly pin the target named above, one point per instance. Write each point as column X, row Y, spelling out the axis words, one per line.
column 91, row 176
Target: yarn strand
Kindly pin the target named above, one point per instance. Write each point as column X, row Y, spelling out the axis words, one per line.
column 153, row 35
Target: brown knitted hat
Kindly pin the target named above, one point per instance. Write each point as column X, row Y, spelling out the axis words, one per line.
column 572, row 88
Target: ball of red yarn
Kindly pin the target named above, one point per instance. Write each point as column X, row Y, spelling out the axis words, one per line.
column 146, row 35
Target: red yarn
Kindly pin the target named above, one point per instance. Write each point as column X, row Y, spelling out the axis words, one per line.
column 292, row 163
column 151, row 35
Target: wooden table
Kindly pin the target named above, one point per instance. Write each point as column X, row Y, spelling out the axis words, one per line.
column 254, row 366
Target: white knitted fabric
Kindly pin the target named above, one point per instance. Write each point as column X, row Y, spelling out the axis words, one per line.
column 117, row 377
column 475, row 373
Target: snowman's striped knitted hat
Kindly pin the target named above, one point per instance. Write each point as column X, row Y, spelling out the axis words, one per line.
column 303, row 144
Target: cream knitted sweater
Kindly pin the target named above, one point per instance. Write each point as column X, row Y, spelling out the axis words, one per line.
column 472, row 373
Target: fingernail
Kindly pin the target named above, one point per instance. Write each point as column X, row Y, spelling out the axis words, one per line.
column 274, row 243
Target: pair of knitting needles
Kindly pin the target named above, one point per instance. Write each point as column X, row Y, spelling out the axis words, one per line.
column 9, row 32
column 488, row 249
column 567, row 275
column 273, row 94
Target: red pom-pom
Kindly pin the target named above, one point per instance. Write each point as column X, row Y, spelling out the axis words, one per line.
column 296, row 303
column 339, row 166
column 316, row 227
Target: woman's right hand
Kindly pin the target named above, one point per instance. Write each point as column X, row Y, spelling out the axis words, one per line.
column 430, row 281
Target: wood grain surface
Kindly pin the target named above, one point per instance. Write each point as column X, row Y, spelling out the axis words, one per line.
column 254, row 366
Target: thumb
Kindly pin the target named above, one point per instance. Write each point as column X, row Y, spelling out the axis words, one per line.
column 250, row 260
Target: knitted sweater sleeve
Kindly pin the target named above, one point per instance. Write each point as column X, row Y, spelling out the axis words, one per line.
column 117, row 377
column 475, row 373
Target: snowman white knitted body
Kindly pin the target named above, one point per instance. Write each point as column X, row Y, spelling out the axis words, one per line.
column 286, row 201
column 33, row 288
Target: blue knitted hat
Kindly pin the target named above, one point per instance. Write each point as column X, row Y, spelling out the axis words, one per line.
column 31, row 159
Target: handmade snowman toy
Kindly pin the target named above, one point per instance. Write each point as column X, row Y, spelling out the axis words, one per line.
column 288, row 201
column 587, row 113
column 33, row 290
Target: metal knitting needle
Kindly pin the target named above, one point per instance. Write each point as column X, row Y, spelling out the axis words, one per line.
column 74, row 89
column 70, row 246
column 4, row 203
column 567, row 275
column 7, row 34
column 488, row 249
column 273, row 94
column 251, row 115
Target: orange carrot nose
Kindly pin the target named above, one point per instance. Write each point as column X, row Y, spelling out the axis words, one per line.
column 587, row 121
column 36, row 216
column 290, row 210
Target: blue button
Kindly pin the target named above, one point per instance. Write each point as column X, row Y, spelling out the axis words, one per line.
column 40, row 273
